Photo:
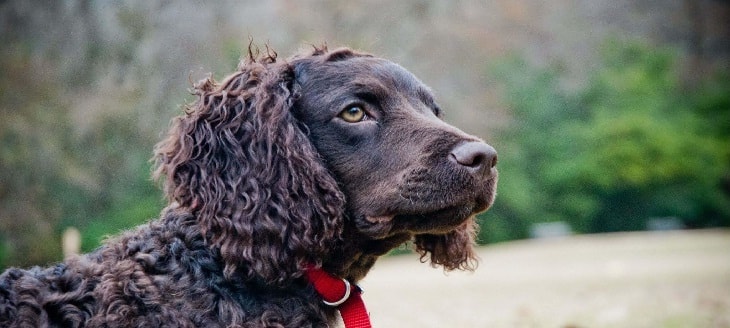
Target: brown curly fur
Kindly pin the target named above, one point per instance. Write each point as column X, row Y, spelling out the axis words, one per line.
column 264, row 178
column 239, row 144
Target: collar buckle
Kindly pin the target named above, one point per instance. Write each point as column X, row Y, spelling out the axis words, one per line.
column 348, row 291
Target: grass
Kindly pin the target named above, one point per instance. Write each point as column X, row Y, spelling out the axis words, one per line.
column 667, row 279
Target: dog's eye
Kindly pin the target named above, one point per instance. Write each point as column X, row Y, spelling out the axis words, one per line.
column 353, row 114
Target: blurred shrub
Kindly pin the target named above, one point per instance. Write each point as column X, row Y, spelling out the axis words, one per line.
column 55, row 174
column 122, row 194
column 32, row 142
column 631, row 144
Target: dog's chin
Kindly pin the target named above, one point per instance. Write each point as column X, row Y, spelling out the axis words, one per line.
column 441, row 221
column 417, row 219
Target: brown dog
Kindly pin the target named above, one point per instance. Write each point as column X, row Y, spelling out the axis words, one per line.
column 325, row 160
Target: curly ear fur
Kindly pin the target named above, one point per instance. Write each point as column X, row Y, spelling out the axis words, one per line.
column 453, row 251
column 241, row 163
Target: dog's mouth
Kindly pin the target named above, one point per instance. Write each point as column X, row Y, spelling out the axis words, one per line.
column 438, row 221
column 441, row 212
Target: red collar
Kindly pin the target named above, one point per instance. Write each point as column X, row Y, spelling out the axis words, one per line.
column 339, row 293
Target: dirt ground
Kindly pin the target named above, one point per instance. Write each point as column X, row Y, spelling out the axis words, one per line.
column 659, row 279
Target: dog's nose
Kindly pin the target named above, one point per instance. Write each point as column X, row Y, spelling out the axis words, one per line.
column 475, row 155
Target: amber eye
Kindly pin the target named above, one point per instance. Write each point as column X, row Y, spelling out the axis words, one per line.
column 353, row 114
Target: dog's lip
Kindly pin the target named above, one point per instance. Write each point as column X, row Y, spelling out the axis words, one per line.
column 384, row 225
column 376, row 226
column 376, row 219
column 435, row 217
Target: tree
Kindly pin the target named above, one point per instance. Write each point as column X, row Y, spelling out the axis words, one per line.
column 632, row 145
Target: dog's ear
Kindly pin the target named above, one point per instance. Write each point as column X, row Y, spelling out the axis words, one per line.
column 242, row 164
column 454, row 250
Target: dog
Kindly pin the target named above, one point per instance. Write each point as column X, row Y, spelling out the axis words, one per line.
column 324, row 161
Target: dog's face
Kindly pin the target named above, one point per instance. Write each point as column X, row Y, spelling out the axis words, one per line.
column 380, row 132
column 328, row 150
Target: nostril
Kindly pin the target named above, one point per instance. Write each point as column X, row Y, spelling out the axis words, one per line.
column 474, row 154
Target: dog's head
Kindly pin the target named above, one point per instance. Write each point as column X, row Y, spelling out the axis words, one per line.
column 401, row 167
column 283, row 156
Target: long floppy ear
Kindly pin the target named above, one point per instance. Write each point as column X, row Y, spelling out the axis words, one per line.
column 242, row 164
column 454, row 250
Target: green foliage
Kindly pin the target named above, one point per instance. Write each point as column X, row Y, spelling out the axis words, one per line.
column 631, row 145
column 3, row 252
column 122, row 195
column 53, row 174
column 118, row 218
column 30, row 162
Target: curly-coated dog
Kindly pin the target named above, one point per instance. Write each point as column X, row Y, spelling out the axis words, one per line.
column 326, row 160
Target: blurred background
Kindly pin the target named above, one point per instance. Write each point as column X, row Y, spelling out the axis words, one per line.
column 608, row 115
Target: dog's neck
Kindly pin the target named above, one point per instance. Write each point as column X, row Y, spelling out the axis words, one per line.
column 356, row 254
column 351, row 258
